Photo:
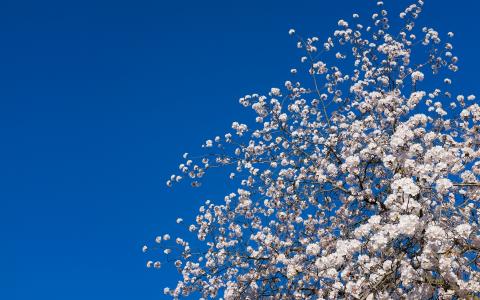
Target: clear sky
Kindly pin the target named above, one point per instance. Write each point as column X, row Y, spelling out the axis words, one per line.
column 99, row 99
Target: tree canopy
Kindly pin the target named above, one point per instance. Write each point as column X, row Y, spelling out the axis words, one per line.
column 358, row 179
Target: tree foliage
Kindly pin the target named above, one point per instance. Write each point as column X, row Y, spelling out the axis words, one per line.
column 363, row 182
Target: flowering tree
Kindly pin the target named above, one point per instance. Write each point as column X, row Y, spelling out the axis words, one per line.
column 359, row 183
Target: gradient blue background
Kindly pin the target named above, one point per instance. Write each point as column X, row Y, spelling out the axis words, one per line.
column 99, row 99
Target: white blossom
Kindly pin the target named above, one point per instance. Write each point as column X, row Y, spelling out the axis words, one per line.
column 443, row 185
column 408, row 224
column 275, row 92
column 405, row 185
column 312, row 249
column 417, row 76
column 464, row 230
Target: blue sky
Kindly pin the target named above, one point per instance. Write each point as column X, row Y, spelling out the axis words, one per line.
column 99, row 99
